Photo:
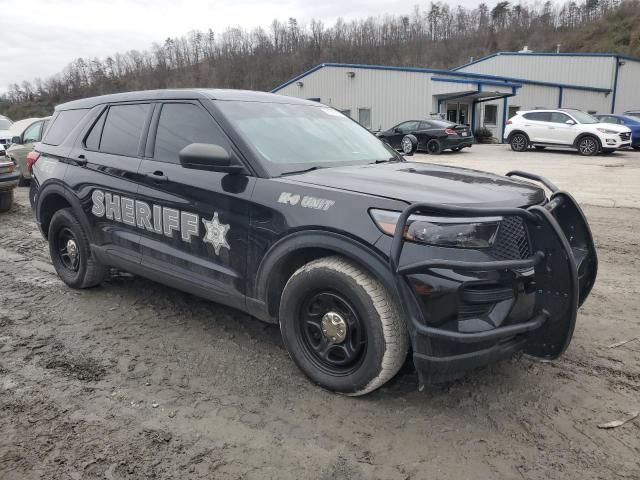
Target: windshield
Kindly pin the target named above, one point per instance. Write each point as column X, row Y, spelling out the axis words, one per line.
column 582, row 117
column 5, row 123
column 298, row 137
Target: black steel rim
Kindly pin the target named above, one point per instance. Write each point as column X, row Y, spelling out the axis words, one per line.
column 333, row 358
column 433, row 146
column 69, row 257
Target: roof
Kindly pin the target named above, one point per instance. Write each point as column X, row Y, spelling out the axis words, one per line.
column 543, row 54
column 478, row 76
column 183, row 94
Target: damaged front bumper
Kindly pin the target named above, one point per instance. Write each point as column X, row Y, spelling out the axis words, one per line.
column 464, row 313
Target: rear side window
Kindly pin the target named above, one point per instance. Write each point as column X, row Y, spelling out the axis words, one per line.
column 123, row 129
column 538, row 116
column 181, row 124
column 62, row 124
column 425, row 126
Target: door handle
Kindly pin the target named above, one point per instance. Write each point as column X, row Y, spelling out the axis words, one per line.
column 157, row 176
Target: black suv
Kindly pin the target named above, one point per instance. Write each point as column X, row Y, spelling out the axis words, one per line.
column 292, row 212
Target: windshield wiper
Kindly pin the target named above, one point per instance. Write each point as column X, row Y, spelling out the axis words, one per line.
column 391, row 159
column 295, row 172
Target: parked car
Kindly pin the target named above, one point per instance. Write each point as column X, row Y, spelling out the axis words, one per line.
column 633, row 123
column 297, row 215
column 25, row 134
column 8, row 180
column 564, row 128
column 633, row 113
column 433, row 136
column 5, row 134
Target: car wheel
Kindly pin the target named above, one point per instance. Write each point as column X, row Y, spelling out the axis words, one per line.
column 409, row 144
column 70, row 252
column 539, row 147
column 588, row 146
column 341, row 327
column 434, row 147
column 519, row 142
column 6, row 200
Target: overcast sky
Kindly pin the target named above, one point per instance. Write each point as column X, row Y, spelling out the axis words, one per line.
column 40, row 37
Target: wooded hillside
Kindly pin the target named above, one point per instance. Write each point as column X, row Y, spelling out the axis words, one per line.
column 434, row 35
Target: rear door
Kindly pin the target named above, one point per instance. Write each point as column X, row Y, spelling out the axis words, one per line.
column 104, row 176
column 536, row 126
column 198, row 233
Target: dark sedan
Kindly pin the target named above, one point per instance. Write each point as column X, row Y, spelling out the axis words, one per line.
column 433, row 136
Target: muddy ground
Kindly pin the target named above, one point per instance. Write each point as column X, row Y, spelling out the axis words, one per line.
column 136, row 380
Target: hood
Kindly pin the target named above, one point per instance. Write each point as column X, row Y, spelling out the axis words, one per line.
column 422, row 182
column 611, row 126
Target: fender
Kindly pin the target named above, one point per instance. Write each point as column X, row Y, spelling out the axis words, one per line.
column 586, row 134
column 341, row 244
column 517, row 131
column 59, row 189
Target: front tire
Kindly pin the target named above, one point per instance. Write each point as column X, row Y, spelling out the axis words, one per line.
column 341, row 327
column 588, row 146
column 70, row 252
column 519, row 142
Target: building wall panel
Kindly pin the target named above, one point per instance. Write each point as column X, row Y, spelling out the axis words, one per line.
column 628, row 94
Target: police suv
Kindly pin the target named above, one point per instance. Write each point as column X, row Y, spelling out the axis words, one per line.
column 292, row 212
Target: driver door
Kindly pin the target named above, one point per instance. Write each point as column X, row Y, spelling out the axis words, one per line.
column 200, row 219
column 559, row 131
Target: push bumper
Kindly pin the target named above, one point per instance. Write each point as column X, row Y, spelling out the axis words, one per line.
column 537, row 317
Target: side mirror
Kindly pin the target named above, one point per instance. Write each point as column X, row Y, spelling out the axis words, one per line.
column 570, row 122
column 16, row 140
column 208, row 156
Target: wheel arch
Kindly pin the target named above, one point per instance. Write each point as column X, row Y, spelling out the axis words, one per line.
column 512, row 133
column 299, row 248
column 54, row 197
column 587, row 134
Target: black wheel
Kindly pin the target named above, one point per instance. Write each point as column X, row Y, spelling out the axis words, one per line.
column 519, row 142
column 539, row 147
column 588, row 146
column 6, row 200
column 70, row 252
column 434, row 147
column 341, row 326
column 409, row 144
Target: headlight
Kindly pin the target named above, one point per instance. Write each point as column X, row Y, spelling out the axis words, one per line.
column 607, row 131
column 441, row 231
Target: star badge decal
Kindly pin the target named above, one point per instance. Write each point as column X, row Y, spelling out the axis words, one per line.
column 216, row 233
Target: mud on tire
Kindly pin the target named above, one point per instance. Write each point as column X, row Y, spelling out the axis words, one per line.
column 375, row 334
column 77, row 271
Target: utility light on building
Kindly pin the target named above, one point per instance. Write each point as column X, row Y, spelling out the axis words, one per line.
column 351, row 74
column 300, row 84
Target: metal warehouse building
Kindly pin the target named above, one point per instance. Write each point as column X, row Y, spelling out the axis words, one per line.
column 483, row 93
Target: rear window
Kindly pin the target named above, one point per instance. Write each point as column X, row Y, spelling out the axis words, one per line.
column 538, row 116
column 123, row 129
column 62, row 124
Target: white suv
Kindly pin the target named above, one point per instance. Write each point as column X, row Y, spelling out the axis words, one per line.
column 564, row 128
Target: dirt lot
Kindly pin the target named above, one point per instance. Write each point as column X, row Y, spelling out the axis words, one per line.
column 135, row 380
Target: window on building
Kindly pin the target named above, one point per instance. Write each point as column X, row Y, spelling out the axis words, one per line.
column 490, row 114
column 512, row 111
column 123, row 129
column 364, row 117
column 346, row 112
column 63, row 123
column 182, row 124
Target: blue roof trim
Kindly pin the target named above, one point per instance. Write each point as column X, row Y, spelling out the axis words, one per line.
column 478, row 81
column 481, row 76
column 548, row 54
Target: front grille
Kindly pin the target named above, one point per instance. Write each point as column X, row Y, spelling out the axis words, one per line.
column 512, row 241
column 625, row 136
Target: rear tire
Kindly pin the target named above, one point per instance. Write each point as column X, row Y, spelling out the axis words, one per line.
column 70, row 252
column 434, row 147
column 519, row 142
column 6, row 201
column 367, row 344
column 588, row 146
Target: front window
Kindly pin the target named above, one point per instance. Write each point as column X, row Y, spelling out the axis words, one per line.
column 296, row 137
column 5, row 123
column 582, row 117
